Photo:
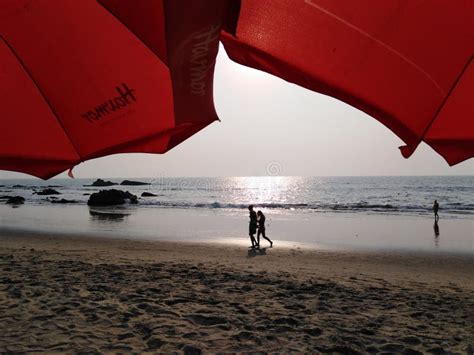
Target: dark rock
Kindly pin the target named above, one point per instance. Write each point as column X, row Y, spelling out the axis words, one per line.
column 148, row 194
column 86, row 194
column 102, row 183
column 111, row 197
column 57, row 186
column 19, row 186
column 63, row 200
column 16, row 200
column 48, row 191
column 5, row 197
column 133, row 183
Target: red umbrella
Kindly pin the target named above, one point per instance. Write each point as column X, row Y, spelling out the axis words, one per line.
column 83, row 79
column 409, row 64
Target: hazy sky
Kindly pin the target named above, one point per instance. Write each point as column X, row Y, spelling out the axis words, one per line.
column 272, row 127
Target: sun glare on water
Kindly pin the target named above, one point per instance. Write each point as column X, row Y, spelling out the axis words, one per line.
column 264, row 190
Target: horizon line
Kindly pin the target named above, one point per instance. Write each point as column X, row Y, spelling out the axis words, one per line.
column 229, row 176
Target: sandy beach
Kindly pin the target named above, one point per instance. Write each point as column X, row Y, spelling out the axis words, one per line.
column 146, row 142
column 90, row 295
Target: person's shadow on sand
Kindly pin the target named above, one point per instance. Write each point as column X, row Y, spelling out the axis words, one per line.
column 256, row 252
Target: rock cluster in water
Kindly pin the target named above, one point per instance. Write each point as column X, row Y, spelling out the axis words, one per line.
column 48, row 191
column 15, row 200
column 111, row 197
column 102, row 183
column 133, row 183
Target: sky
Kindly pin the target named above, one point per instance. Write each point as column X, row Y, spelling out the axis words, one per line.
column 271, row 127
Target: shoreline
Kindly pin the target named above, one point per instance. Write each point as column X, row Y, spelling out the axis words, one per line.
column 458, row 266
column 104, row 294
column 378, row 233
column 6, row 234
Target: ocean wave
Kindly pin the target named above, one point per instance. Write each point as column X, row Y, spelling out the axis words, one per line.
column 335, row 207
column 398, row 196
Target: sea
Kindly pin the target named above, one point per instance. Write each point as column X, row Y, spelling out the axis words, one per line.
column 350, row 213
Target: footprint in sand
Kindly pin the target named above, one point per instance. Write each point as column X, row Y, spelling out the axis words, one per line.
column 155, row 343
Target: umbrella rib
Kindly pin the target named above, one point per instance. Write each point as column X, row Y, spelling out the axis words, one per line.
column 27, row 71
column 124, row 24
column 447, row 96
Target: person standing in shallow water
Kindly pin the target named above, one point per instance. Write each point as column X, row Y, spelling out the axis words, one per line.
column 435, row 209
column 261, row 228
column 252, row 226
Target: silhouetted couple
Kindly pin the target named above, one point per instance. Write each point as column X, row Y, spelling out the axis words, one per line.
column 257, row 221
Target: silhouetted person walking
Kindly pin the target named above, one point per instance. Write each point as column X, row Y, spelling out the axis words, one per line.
column 435, row 210
column 261, row 228
column 252, row 226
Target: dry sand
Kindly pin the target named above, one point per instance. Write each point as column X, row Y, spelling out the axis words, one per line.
column 79, row 294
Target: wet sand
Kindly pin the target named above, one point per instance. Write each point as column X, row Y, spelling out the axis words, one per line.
column 73, row 294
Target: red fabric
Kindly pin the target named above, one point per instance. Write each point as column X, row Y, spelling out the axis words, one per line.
column 402, row 62
column 452, row 132
column 83, row 79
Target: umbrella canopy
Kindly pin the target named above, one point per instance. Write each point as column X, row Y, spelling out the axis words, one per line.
column 84, row 79
column 409, row 64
